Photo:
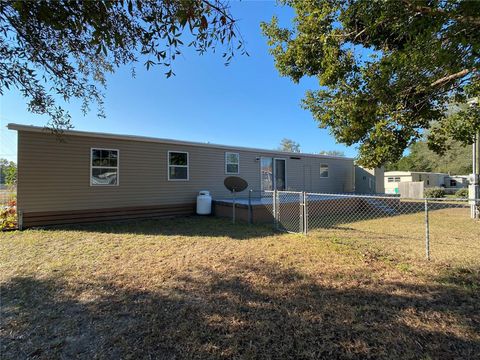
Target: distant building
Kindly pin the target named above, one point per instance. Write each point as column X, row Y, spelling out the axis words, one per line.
column 429, row 179
column 456, row 182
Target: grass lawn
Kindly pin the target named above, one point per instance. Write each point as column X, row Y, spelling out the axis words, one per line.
column 454, row 237
column 202, row 288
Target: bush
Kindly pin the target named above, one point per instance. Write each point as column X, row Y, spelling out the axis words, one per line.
column 462, row 193
column 434, row 192
column 8, row 216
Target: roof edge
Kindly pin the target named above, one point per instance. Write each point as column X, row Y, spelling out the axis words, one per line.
column 39, row 129
column 400, row 172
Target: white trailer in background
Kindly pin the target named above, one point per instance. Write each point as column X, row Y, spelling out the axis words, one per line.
column 429, row 179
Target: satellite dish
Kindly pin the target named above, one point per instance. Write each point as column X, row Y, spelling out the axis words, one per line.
column 235, row 184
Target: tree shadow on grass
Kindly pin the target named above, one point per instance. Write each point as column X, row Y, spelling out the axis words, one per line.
column 258, row 311
column 468, row 277
column 180, row 226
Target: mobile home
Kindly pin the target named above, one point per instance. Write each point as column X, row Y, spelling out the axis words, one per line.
column 456, row 182
column 86, row 176
column 429, row 179
column 369, row 181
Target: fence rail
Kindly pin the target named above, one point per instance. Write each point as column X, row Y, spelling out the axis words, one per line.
column 386, row 216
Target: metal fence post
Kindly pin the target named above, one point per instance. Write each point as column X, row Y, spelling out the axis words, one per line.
column 301, row 223
column 274, row 208
column 279, row 201
column 305, row 213
column 427, row 232
column 250, row 217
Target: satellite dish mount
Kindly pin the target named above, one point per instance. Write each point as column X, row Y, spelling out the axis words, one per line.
column 235, row 184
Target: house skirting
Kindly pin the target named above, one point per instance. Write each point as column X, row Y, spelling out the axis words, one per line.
column 33, row 219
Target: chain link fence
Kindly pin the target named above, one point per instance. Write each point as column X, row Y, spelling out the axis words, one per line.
column 393, row 220
column 7, row 194
column 8, row 208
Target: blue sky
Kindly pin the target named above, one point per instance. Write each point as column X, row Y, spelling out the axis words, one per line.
column 245, row 104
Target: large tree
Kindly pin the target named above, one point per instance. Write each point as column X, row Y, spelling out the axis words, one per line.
column 289, row 145
column 8, row 172
column 387, row 70
column 63, row 49
column 458, row 159
column 332, row 152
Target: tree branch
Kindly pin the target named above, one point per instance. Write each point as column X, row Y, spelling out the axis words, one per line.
column 219, row 10
column 450, row 77
column 439, row 11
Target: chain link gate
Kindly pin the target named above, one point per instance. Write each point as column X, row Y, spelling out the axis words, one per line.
column 289, row 211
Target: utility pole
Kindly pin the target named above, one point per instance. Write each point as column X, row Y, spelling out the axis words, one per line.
column 474, row 186
column 477, row 153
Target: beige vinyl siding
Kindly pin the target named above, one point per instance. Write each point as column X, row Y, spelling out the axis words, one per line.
column 55, row 176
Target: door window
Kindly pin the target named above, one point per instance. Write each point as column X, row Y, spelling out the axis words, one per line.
column 280, row 174
column 266, row 173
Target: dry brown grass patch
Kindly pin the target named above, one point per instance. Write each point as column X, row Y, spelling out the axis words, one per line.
column 203, row 288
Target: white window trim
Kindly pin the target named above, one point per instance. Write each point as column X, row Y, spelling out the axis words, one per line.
column 227, row 163
column 184, row 166
column 99, row 167
column 328, row 170
column 394, row 179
